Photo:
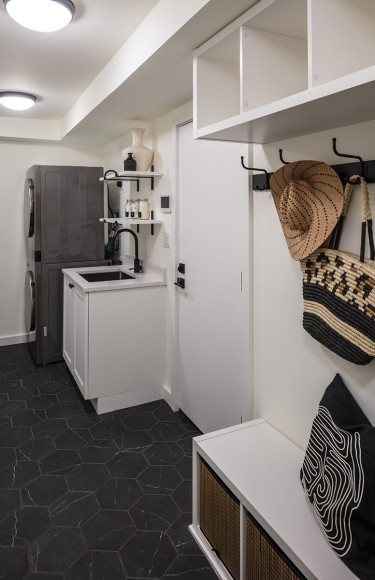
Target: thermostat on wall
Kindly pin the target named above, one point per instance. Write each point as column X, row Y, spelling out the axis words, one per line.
column 165, row 204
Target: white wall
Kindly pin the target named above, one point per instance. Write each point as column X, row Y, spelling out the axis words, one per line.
column 160, row 136
column 15, row 158
column 292, row 370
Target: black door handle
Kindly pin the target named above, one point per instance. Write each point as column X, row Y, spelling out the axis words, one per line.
column 71, row 285
column 180, row 282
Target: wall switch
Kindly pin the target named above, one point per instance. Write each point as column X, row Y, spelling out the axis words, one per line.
column 166, row 240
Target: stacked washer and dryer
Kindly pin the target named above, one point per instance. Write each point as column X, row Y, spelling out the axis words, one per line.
column 62, row 210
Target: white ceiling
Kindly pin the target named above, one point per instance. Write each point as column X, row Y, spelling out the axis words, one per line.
column 67, row 69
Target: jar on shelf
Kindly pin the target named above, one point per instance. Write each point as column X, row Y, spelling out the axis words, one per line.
column 128, row 208
column 144, row 209
column 130, row 164
column 134, row 209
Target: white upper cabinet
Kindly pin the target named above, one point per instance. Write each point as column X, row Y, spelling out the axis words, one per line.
column 287, row 68
column 343, row 39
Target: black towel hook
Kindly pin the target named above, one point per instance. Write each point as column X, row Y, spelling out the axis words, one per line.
column 281, row 157
column 267, row 185
column 362, row 171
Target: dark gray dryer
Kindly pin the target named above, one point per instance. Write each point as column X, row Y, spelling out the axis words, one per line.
column 62, row 210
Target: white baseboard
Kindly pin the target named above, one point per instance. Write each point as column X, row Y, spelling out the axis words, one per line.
column 167, row 396
column 17, row 339
column 124, row 400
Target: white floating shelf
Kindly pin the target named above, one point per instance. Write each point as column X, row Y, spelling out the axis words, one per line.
column 124, row 175
column 129, row 222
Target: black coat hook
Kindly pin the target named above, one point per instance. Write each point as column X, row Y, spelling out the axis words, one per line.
column 266, row 185
column 362, row 171
column 281, row 157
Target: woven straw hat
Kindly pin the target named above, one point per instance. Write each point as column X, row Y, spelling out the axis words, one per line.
column 309, row 197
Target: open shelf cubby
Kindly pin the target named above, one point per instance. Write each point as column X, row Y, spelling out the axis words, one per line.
column 286, row 68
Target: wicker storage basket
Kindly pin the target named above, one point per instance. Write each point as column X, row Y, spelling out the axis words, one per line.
column 264, row 559
column 220, row 519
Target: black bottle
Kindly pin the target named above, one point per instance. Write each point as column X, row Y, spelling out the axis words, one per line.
column 130, row 164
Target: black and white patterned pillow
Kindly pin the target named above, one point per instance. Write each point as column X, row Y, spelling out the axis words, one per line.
column 338, row 476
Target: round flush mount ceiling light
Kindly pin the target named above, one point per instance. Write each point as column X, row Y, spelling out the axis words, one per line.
column 41, row 15
column 16, row 100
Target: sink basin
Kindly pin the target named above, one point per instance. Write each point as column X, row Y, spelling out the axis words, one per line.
column 105, row 276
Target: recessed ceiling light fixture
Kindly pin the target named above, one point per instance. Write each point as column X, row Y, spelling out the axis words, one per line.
column 16, row 100
column 41, row 15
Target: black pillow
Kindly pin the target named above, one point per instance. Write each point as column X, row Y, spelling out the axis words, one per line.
column 338, row 476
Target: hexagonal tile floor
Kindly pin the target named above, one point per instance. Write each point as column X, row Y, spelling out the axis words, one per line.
column 84, row 496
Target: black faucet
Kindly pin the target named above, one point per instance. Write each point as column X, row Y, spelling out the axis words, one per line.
column 137, row 264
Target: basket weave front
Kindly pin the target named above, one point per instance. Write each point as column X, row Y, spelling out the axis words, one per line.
column 220, row 519
column 264, row 560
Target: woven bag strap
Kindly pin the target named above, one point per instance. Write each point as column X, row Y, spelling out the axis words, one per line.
column 336, row 234
column 366, row 215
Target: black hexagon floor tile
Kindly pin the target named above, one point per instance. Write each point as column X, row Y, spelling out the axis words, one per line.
column 56, row 550
column 97, row 453
column 190, row 568
column 74, row 509
column 184, row 467
column 18, row 475
column 24, row 526
column 8, row 385
column 15, row 436
column 11, row 408
column 107, row 429
column 127, row 464
column 23, row 394
column 49, row 428
column 181, row 537
column 13, row 562
column 7, row 455
column 134, row 440
column 118, row 494
column 148, row 555
column 87, row 477
column 97, row 564
column 154, row 512
column 36, row 448
column 108, row 530
column 159, row 479
column 60, row 462
column 163, row 453
column 87, row 496
column 41, row 401
column 10, row 501
column 27, row 418
column 183, row 496
column 73, row 439
column 44, row 490
column 167, row 431
column 140, row 421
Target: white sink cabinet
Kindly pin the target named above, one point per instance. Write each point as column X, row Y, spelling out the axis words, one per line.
column 114, row 339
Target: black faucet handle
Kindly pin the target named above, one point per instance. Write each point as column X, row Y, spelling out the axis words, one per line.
column 137, row 266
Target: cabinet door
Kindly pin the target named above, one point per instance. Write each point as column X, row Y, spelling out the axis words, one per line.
column 68, row 325
column 81, row 341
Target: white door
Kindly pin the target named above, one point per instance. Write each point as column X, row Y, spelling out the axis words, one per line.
column 213, row 309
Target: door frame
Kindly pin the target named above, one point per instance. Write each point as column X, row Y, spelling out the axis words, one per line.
column 247, row 344
column 173, row 397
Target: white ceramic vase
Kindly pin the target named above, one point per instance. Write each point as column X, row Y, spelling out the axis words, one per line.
column 143, row 155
